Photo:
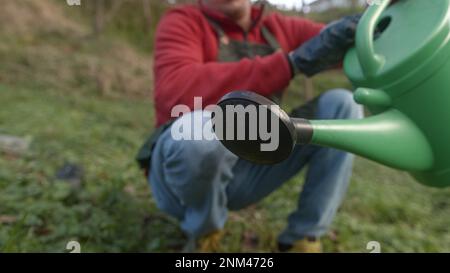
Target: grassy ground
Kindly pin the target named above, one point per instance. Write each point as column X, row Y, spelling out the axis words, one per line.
column 113, row 209
column 86, row 101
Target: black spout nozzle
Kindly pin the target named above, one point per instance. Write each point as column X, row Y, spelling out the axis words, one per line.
column 303, row 129
column 285, row 132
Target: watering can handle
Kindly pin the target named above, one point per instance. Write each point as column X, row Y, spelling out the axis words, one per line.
column 370, row 61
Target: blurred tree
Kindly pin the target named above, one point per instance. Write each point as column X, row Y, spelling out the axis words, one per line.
column 147, row 9
column 354, row 4
column 103, row 12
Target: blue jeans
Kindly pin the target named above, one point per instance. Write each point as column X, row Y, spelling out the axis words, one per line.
column 198, row 181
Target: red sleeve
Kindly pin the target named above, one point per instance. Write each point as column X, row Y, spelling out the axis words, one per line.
column 296, row 30
column 182, row 73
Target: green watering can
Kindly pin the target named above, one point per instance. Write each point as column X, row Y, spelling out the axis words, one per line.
column 402, row 77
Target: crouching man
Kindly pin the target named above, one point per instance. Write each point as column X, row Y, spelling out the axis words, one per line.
column 217, row 46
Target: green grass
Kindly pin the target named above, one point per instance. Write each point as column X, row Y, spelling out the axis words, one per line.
column 113, row 210
column 51, row 92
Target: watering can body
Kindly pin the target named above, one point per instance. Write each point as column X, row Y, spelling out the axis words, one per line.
column 403, row 77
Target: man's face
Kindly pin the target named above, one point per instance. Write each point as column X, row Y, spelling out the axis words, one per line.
column 231, row 8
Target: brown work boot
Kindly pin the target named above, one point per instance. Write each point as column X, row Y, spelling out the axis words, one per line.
column 210, row 242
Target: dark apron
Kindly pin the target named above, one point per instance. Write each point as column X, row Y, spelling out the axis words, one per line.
column 229, row 51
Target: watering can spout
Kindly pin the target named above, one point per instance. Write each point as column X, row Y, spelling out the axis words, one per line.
column 390, row 138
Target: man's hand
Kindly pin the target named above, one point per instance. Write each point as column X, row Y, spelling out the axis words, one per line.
column 327, row 49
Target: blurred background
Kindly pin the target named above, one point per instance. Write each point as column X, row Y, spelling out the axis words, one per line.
column 75, row 105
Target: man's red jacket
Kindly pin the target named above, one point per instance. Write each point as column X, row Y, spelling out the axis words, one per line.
column 186, row 50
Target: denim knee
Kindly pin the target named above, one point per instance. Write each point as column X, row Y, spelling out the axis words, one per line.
column 196, row 164
column 196, row 156
column 339, row 103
